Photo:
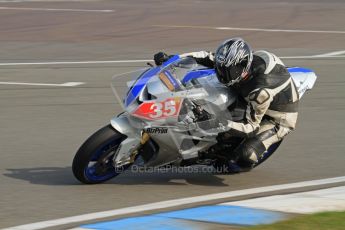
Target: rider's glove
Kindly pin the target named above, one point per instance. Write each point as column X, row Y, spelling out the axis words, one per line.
column 187, row 123
column 160, row 57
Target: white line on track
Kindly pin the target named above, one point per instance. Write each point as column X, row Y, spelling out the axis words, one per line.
column 53, row 9
column 174, row 203
column 73, row 62
column 320, row 56
column 66, row 84
column 253, row 29
column 332, row 54
column 26, row 1
column 312, row 57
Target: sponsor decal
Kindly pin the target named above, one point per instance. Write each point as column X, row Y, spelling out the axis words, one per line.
column 156, row 130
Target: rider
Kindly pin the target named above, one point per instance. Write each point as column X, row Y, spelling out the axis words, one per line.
column 263, row 81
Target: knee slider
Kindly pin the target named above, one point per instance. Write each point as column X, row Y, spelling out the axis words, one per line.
column 252, row 150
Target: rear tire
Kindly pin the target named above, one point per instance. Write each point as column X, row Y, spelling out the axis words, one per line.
column 92, row 163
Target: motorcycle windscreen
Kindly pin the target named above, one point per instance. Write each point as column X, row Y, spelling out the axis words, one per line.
column 127, row 85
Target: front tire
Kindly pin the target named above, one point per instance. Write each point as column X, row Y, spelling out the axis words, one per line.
column 92, row 163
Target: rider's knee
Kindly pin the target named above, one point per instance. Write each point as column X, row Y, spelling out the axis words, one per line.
column 250, row 151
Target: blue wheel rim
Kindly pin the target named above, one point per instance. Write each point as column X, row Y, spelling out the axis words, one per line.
column 91, row 170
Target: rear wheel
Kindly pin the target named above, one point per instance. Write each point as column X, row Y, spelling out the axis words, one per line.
column 93, row 163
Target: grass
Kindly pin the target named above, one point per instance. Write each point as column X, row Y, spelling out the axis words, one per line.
column 319, row 221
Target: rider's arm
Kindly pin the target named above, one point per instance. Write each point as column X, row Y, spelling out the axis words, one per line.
column 204, row 58
column 259, row 102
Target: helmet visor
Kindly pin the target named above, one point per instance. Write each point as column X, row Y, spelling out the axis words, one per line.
column 230, row 74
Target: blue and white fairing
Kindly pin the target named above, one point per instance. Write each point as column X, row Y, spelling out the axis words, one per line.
column 304, row 79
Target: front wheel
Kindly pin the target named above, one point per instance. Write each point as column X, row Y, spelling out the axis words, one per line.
column 93, row 163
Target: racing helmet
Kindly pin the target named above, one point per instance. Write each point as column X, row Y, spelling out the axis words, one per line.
column 233, row 59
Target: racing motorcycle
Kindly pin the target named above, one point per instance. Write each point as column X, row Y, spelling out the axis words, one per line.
column 169, row 118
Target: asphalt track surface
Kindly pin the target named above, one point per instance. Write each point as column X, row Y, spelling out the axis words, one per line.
column 41, row 127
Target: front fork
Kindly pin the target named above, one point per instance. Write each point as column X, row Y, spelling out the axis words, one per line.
column 128, row 149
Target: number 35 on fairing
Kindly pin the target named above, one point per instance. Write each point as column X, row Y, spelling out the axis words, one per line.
column 159, row 109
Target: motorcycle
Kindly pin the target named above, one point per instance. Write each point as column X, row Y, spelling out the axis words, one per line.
column 169, row 119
